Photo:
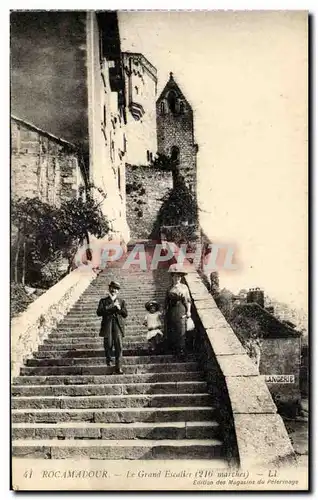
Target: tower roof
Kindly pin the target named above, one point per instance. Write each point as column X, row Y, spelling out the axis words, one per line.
column 172, row 85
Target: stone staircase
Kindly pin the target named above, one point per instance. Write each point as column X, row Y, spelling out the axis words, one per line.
column 66, row 403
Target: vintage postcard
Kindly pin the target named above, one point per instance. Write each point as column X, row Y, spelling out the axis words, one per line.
column 159, row 170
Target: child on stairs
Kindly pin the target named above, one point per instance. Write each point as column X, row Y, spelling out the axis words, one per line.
column 153, row 322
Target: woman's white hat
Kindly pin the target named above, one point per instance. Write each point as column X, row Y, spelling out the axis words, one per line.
column 177, row 269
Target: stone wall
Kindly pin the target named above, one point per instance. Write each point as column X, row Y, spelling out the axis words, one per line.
column 281, row 356
column 280, row 349
column 145, row 190
column 140, row 87
column 42, row 165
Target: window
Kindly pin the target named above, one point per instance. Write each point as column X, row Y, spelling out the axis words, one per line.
column 137, row 90
column 181, row 107
column 111, row 146
column 118, row 178
column 162, row 108
column 172, row 101
column 175, row 151
column 104, row 114
column 148, row 155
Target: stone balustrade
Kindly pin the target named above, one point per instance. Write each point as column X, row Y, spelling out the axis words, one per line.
column 32, row 326
column 261, row 437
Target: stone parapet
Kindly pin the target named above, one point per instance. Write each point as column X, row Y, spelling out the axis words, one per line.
column 261, row 437
column 31, row 327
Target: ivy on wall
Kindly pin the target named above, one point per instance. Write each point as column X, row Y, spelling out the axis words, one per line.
column 178, row 209
column 45, row 236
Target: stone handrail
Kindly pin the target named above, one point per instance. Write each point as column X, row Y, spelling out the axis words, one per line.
column 31, row 327
column 260, row 433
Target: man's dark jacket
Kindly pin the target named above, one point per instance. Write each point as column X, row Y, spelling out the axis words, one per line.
column 113, row 318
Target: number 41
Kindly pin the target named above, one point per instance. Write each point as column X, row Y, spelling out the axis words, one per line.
column 28, row 474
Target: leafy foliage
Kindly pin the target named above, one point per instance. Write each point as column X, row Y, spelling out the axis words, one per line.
column 224, row 301
column 163, row 162
column 178, row 209
column 48, row 234
column 215, row 285
column 19, row 299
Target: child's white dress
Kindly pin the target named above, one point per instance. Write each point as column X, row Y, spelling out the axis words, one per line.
column 153, row 323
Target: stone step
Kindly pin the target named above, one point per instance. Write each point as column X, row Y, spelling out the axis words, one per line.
column 95, row 353
column 134, row 324
column 64, row 338
column 133, row 328
column 92, row 318
column 90, row 336
column 110, row 401
column 104, row 370
column 84, row 360
column 129, row 349
column 91, row 315
column 114, row 415
column 138, row 287
column 80, row 333
column 191, row 376
column 120, row 450
column 90, row 306
column 186, row 387
column 135, row 298
column 141, row 287
column 62, row 346
column 80, row 322
column 136, row 295
column 136, row 430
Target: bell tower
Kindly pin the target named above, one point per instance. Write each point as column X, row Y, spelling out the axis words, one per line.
column 175, row 135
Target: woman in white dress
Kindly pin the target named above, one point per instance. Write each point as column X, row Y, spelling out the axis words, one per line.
column 153, row 322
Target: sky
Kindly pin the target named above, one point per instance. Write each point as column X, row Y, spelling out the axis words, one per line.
column 245, row 75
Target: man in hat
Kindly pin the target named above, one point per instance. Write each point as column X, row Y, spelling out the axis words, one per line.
column 113, row 311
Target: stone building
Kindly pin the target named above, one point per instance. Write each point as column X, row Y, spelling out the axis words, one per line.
column 141, row 88
column 67, row 79
column 279, row 352
column 43, row 165
column 70, row 79
column 175, row 131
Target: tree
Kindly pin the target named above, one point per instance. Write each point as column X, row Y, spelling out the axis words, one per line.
column 163, row 162
column 46, row 234
column 224, row 301
column 178, row 209
column 249, row 332
column 215, row 285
